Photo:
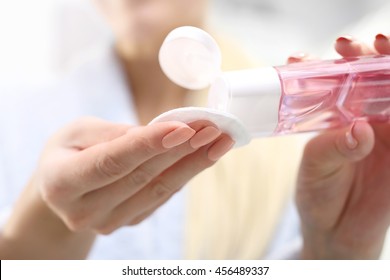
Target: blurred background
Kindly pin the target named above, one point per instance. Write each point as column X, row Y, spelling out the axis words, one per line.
column 42, row 39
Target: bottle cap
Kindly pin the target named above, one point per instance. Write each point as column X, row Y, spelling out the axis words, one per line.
column 190, row 57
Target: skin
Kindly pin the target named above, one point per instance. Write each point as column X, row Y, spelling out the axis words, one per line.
column 343, row 189
column 95, row 177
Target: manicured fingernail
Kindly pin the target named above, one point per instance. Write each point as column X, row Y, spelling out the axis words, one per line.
column 345, row 39
column 296, row 57
column 220, row 148
column 350, row 140
column 177, row 137
column 204, row 137
column 381, row 36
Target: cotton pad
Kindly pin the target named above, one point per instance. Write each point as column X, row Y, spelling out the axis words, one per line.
column 191, row 58
column 226, row 122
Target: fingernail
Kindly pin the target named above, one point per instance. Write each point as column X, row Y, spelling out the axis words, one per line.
column 345, row 39
column 220, row 148
column 381, row 36
column 177, row 137
column 350, row 140
column 296, row 57
column 204, row 136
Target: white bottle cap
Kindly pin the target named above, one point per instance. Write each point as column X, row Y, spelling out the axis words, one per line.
column 191, row 58
column 252, row 95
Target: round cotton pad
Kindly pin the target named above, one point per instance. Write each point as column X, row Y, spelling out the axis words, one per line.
column 226, row 122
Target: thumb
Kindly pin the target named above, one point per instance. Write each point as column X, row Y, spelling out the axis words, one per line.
column 326, row 152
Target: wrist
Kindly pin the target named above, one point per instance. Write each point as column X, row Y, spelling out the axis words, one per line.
column 35, row 231
column 329, row 246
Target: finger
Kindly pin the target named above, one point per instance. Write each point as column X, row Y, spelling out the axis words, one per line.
column 160, row 190
column 89, row 131
column 141, row 217
column 350, row 47
column 301, row 57
column 110, row 196
column 95, row 204
column 382, row 43
column 327, row 152
column 107, row 162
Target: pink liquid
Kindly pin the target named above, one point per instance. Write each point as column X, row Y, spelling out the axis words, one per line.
column 328, row 94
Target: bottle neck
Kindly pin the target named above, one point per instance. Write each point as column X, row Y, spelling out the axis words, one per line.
column 252, row 95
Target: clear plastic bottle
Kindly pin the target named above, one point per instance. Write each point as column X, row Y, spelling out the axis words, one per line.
column 307, row 96
column 299, row 97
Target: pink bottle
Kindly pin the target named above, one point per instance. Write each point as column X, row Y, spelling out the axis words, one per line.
column 300, row 97
column 306, row 96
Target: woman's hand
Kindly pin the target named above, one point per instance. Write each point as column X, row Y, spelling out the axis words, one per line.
column 343, row 192
column 100, row 176
column 95, row 176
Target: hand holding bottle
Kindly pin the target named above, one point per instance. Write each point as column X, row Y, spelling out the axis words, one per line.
column 343, row 192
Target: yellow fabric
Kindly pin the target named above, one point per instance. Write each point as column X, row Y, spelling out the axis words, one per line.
column 235, row 205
